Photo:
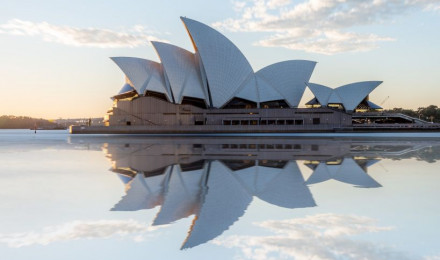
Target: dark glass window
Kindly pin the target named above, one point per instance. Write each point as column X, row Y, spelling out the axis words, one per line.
column 186, row 167
column 157, row 95
column 238, row 103
column 273, row 163
column 274, row 104
column 238, row 164
column 197, row 102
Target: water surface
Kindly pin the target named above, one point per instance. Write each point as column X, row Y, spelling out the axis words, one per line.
column 338, row 196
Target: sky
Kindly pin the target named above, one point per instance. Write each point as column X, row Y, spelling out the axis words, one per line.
column 55, row 53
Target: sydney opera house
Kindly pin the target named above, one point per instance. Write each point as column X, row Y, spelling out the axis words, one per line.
column 215, row 89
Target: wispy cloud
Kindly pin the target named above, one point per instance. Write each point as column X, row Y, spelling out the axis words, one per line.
column 319, row 26
column 138, row 35
column 323, row 236
column 78, row 230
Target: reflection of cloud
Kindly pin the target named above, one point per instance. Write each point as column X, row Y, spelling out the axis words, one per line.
column 77, row 230
column 319, row 26
column 91, row 37
column 324, row 236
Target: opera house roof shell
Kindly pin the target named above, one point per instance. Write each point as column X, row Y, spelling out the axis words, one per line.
column 217, row 72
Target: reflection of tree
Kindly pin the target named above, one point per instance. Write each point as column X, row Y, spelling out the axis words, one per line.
column 427, row 154
column 428, row 151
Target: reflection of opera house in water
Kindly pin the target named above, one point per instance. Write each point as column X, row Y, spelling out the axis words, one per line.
column 216, row 180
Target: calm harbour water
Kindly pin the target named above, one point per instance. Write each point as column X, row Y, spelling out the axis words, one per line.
column 294, row 197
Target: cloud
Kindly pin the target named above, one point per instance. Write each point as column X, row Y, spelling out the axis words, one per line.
column 319, row 26
column 322, row 236
column 325, row 42
column 78, row 230
column 89, row 37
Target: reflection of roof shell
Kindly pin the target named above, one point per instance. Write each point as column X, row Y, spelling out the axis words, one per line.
column 348, row 171
column 217, row 195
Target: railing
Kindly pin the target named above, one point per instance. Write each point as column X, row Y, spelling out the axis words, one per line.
column 375, row 114
column 398, row 126
column 129, row 114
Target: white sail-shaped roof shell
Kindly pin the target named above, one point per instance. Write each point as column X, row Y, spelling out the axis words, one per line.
column 218, row 71
column 182, row 71
column 335, row 98
column 289, row 78
column 144, row 75
column 322, row 93
column 353, row 94
column 249, row 89
column 225, row 66
column 350, row 95
column 257, row 90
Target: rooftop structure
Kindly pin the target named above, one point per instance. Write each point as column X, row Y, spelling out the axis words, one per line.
column 217, row 74
column 214, row 89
